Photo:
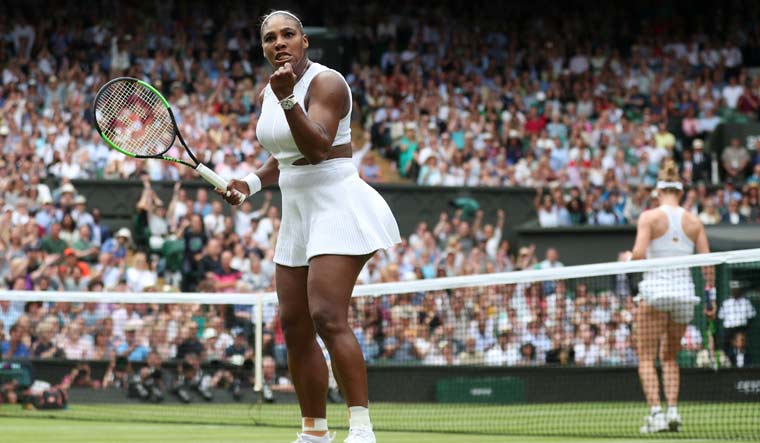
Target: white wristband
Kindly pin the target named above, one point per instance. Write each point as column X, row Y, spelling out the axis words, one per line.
column 254, row 183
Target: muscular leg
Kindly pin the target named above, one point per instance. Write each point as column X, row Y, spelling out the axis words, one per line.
column 331, row 282
column 650, row 327
column 305, row 360
column 670, row 371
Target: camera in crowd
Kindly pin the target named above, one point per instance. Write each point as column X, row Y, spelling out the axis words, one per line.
column 148, row 383
column 191, row 378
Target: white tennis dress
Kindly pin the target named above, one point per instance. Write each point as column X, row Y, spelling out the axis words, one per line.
column 670, row 290
column 326, row 208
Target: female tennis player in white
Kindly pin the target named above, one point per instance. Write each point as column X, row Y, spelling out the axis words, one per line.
column 666, row 297
column 332, row 223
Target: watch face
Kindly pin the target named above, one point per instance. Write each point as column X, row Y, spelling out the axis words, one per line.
column 288, row 104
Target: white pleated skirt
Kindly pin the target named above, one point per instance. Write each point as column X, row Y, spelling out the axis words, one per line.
column 328, row 209
column 671, row 291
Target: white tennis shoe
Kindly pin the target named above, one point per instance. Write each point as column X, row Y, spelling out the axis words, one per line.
column 654, row 423
column 305, row 438
column 360, row 434
column 674, row 421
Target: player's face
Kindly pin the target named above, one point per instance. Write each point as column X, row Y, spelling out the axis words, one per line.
column 283, row 42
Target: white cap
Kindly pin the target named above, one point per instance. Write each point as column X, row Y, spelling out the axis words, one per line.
column 123, row 232
column 133, row 324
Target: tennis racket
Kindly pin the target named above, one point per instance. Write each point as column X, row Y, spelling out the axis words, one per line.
column 135, row 119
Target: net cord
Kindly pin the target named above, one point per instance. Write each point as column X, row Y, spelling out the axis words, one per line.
column 379, row 289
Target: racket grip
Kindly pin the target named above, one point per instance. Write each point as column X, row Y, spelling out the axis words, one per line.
column 214, row 178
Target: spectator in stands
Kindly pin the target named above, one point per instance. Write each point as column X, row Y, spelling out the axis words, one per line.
column 195, row 242
column 272, row 380
column 141, row 274
column 551, row 212
column 732, row 215
column 505, row 353
column 44, row 347
column 132, row 348
column 587, row 352
column 737, row 352
column 471, row 356
column 736, row 313
column 102, row 347
column 188, row 341
column 118, row 245
column 225, row 277
column 75, row 344
column 14, row 347
column 735, row 160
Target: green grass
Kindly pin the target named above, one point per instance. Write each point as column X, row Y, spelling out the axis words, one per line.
column 42, row 430
column 135, row 422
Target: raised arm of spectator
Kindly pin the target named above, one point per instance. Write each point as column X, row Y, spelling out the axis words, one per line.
column 441, row 225
column 477, row 222
column 146, row 198
column 539, row 195
column 173, row 203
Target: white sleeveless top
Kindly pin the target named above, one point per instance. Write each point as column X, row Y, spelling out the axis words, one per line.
column 273, row 130
column 674, row 242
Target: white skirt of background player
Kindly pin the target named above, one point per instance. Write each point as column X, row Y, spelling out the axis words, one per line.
column 671, row 291
column 328, row 209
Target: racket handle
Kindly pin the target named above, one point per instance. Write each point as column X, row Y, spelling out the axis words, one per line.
column 214, row 178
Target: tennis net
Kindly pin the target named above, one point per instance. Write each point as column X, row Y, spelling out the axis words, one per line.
column 536, row 352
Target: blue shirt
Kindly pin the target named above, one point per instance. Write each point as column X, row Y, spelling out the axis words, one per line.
column 140, row 353
column 21, row 350
column 113, row 247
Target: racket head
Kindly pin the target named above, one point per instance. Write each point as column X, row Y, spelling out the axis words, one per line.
column 132, row 117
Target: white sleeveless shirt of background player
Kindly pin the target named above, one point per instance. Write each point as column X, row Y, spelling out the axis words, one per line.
column 670, row 290
column 326, row 208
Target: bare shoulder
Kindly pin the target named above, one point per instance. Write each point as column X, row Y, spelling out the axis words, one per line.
column 328, row 82
column 691, row 223
column 647, row 216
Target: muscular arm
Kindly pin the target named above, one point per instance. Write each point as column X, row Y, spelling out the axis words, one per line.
column 643, row 237
column 703, row 247
column 327, row 103
column 269, row 173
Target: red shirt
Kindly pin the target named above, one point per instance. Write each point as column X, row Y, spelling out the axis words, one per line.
column 536, row 125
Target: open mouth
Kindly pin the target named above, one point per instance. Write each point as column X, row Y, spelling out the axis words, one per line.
column 281, row 57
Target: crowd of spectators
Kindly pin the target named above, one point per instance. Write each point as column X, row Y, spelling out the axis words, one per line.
column 447, row 105
column 66, row 247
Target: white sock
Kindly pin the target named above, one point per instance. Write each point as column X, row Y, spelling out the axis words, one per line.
column 314, row 438
column 358, row 416
column 673, row 410
column 656, row 410
column 314, row 426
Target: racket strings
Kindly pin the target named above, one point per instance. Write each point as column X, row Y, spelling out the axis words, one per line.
column 134, row 118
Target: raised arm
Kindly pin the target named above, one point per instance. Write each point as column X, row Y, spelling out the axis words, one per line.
column 327, row 102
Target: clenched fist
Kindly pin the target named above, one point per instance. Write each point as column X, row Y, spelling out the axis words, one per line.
column 282, row 81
